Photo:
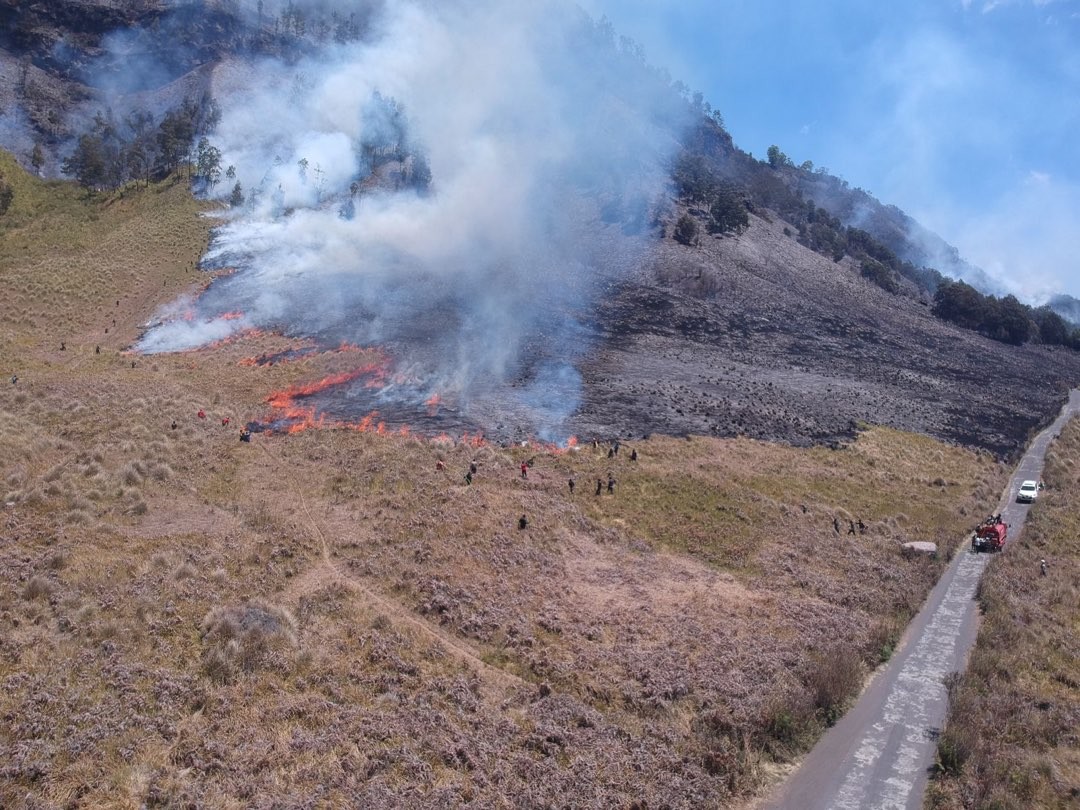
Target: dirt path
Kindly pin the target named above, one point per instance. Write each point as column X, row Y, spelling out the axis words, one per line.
column 329, row 572
column 880, row 753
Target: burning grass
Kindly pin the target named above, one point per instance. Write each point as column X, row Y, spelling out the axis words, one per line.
column 1010, row 739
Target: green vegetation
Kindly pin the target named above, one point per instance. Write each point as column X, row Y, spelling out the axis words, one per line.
column 1010, row 740
column 1004, row 319
column 115, row 152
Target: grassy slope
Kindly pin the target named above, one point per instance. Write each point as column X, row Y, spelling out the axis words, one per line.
column 1012, row 740
column 185, row 618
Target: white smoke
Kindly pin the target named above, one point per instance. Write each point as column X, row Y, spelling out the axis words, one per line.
column 529, row 127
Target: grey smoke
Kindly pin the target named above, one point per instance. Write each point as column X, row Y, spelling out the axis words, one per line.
column 483, row 283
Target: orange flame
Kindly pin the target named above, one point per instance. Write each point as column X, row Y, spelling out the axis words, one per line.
column 243, row 334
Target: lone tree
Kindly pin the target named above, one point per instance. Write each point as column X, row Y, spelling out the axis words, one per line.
column 37, row 157
column 87, row 163
column 175, row 134
column 777, row 159
column 236, row 199
column 728, row 212
column 208, row 162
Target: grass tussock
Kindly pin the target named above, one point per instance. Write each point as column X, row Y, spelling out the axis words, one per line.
column 1010, row 739
column 243, row 639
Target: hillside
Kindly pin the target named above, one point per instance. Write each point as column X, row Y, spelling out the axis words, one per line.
column 440, row 318
column 756, row 335
column 775, row 333
column 339, row 616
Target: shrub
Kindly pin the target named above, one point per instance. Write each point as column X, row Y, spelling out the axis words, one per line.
column 787, row 722
column 877, row 273
column 834, row 678
column 686, row 230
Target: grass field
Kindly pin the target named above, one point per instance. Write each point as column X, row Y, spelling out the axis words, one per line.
column 336, row 618
column 1012, row 738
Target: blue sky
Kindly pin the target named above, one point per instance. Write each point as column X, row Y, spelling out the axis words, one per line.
column 964, row 113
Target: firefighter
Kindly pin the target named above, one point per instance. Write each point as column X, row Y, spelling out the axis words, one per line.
column 599, row 486
column 524, row 469
column 610, row 484
column 245, row 435
column 851, row 527
column 633, row 454
column 201, row 414
column 1042, row 567
column 570, row 483
column 523, row 522
column 836, row 525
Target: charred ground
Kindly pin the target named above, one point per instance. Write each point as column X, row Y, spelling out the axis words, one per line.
column 756, row 335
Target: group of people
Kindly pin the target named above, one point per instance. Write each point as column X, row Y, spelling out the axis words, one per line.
column 523, row 521
column 245, row 432
column 852, row 526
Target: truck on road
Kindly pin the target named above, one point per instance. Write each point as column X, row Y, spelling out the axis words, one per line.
column 990, row 535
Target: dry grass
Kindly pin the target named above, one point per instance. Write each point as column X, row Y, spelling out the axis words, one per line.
column 329, row 617
column 1011, row 739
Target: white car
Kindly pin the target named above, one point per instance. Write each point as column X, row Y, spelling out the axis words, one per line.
column 1029, row 491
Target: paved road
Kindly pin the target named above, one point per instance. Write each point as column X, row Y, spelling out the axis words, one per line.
column 879, row 754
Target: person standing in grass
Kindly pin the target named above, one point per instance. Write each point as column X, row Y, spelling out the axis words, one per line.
column 524, row 469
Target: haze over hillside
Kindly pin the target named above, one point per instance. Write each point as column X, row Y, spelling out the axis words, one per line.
column 499, row 198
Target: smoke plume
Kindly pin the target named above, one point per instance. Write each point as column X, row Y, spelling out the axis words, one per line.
column 457, row 188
